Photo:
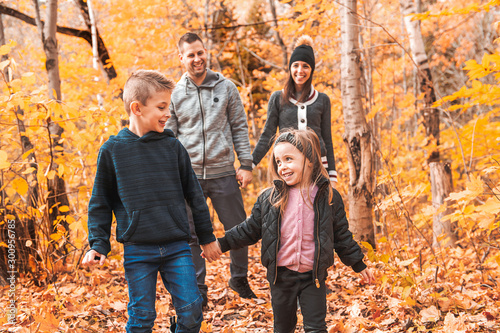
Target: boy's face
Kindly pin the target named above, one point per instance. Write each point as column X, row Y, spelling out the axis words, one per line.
column 155, row 113
column 194, row 58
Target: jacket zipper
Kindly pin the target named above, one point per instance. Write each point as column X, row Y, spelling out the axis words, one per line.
column 317, row 219
column 319, row 244
column 277, row 248
column 204, row 176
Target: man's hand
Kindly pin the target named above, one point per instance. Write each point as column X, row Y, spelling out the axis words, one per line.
column 244, row 177
column 93, row 257
column 211, row 251
column 367, row 276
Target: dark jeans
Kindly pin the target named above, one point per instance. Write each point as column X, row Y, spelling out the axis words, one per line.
column 228, row 203
column 142, row 263
column 289, row 287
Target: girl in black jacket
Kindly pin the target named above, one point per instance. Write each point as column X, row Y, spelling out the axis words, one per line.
column 301, row 221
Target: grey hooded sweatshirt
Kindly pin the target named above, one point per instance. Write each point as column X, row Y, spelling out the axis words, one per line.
column 209, row 120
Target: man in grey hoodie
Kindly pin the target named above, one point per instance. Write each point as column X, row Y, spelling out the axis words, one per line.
column 208, row 118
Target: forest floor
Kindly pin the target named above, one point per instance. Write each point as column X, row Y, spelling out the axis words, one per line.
column 465, row 299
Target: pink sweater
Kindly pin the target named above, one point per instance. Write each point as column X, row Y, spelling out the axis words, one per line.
column 297, row 232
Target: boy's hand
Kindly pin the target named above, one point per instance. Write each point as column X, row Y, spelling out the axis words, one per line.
column 93, row 257
column 211, row 251
column 367, row 276
column 244, row 177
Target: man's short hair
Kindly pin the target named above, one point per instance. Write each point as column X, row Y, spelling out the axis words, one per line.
column 188, row 37
column 142, row 84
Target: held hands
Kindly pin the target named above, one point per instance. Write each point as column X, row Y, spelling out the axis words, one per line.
column 211, row 251
column 93, row 257
column 244, row 177
column 367, row 276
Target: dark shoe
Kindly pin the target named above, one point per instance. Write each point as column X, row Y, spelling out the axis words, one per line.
column 240, row 285
column 204, row 304
column 173, row 324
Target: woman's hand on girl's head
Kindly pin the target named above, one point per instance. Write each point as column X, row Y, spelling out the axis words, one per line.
column 367, row 276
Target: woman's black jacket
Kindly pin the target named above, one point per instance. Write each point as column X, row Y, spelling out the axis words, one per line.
column 331, row 233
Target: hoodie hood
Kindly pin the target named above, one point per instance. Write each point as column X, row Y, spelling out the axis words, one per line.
column 127, row 135
column 211, row 80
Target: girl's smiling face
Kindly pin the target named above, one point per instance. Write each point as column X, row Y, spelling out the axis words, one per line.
column 293, row 167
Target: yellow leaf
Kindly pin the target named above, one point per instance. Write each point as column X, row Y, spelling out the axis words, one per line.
column 207, row 328
column 406, row 262
column 56, row 236
column 3, row 244
column 60, row 170
column 26, row 154
column 3, row 160
column 64, row 209
column 20, row 185
column 32, row 263
column 28, row 78
column 491, row 206
column 385, row 258
column 51, row 174
column 367, row 245
column 29, row 170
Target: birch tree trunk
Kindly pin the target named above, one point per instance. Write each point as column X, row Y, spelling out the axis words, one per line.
column 99, row 49
column 284, row 51
column 440, row 179
column 430, row 115
column 56, row 186
column 443, row 233
column 357, row 136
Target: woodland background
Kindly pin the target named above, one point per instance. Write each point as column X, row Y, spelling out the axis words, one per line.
column 51, row 130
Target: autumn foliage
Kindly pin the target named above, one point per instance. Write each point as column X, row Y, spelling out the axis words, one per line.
column 419, row 288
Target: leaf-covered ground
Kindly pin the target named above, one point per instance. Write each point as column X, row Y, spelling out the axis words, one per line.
column 464, row 298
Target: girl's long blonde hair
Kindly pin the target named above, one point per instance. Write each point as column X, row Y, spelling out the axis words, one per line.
column 307, row 142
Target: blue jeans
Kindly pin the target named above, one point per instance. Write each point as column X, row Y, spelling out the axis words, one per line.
column 142, row 263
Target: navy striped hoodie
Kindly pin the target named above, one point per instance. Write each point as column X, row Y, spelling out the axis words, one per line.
column 144, row 182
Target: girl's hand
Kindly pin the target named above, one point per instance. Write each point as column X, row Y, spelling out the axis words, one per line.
column 93, row 257
column 367, row 276
column 211, row 251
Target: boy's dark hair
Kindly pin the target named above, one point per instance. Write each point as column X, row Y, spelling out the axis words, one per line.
column 188, row 37
column 307, row 142
column 142, row 84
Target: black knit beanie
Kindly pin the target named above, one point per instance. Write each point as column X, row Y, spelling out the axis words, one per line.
column 303, row 53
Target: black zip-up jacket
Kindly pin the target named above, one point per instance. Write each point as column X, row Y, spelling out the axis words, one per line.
column 331, row 232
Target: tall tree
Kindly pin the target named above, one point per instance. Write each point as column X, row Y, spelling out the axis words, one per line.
column 440, row 174
column 357, row 137
column 55, row 184
column 430, row 114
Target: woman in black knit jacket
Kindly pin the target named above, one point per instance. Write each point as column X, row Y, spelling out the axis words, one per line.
column 300, row 106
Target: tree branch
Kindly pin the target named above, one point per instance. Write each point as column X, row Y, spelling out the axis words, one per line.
column 86, row 35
